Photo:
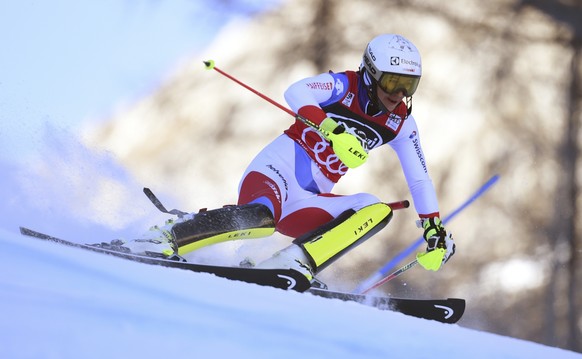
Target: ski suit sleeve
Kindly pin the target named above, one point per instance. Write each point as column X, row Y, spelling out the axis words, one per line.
column 407, row 147
column 306, row 96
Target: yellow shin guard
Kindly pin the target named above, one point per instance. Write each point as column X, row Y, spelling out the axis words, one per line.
column 223, row 224
column 329, row 242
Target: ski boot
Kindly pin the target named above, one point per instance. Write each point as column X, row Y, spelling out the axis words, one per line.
column 158, row 241
column 292, row 257
column 196, row 230
column 315, row 250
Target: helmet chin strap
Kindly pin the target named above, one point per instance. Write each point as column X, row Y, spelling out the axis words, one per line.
column 408, row 106
column 375, row 103
column 381, row 105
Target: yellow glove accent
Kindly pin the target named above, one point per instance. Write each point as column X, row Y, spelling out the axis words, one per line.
column 431, row 260
column 348, row 149
column 346, row 146
column 327, row 126
column 432, row 227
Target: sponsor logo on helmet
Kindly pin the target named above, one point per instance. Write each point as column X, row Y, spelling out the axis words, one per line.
column 397, row 61
column 369, row 65
column 409, row 62
column 371, row 53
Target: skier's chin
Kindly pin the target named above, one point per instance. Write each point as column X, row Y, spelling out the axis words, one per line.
column 390, row 104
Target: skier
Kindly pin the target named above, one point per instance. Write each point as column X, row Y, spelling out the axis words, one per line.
column 287, row 186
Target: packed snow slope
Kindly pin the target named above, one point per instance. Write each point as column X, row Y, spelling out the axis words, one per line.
column 60, row 302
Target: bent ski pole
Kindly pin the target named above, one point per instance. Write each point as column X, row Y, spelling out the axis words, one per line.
column 392, row 263
column 209, row 64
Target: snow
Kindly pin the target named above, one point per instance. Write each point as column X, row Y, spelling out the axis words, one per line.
column 60, row 302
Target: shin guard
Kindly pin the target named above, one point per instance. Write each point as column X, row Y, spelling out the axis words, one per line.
column 329, row 242
column 223, row 224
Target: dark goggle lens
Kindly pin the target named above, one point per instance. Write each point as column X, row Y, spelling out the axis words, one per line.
column 391, row 83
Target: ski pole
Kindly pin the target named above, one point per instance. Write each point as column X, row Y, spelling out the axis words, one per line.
column 366, row 284
column 399, row 205
column 209, row 64
column 398, row 272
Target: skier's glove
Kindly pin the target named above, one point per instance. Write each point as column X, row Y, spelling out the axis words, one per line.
column 346, row 146
column 439, row 245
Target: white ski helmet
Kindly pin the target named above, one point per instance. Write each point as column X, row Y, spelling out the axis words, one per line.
column 393, row 62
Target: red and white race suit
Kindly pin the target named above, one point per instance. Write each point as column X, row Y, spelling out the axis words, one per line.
column 295, row 174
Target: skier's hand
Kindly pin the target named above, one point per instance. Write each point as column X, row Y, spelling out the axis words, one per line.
column 346, row 146
column 439, row 245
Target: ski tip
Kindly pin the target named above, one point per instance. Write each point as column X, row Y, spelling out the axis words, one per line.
column 455, row 315
column 27, row 231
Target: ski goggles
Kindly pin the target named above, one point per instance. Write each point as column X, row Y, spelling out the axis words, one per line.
column 391, row 83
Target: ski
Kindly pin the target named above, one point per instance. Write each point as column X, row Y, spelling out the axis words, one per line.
column 277, row 278
column 443, row 310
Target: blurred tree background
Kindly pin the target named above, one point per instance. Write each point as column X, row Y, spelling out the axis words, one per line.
column 501, row 94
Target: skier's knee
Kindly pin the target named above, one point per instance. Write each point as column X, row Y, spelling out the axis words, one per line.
column 362, row 200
